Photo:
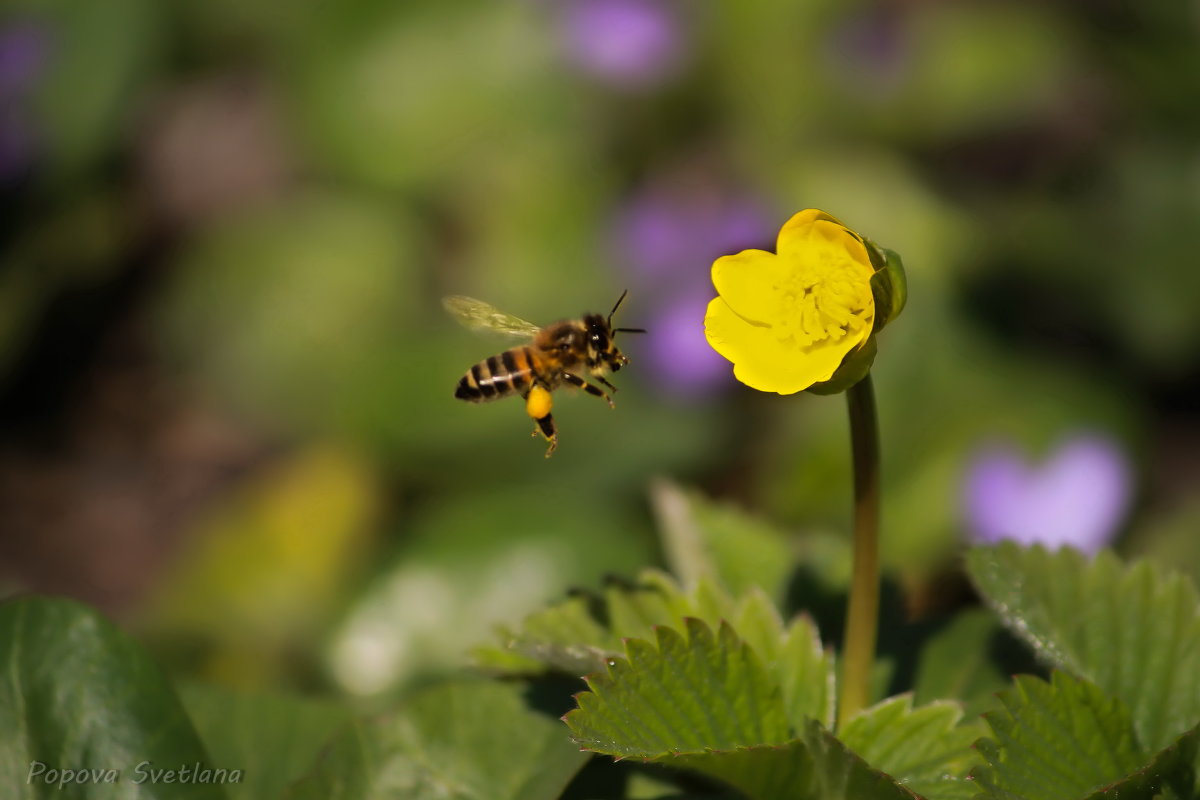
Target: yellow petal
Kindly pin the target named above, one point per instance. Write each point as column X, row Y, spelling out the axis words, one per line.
column 748, row 282
column 762, row 361
column 813, row 228
column 725, row 330
column 800, row 222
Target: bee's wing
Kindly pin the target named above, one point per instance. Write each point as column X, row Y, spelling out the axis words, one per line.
column 479, row 316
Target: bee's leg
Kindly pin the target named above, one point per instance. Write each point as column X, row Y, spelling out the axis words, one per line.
column 545, row 426
column 602, row 379
column 579, row 382
column 538, row 403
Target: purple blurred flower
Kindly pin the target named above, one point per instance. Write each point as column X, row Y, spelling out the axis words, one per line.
column 630, row 44
column 871, row 50
column 678, row 355
column 1078, row 497
column 669, row 230
column 24, row 55
column 667, row 236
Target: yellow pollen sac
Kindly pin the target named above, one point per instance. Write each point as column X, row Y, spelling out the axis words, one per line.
column 538, row 402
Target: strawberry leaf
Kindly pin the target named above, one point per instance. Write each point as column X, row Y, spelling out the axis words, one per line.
column 467, row 740
column 1133, row 631
column 706, row 701
column 1067, row 739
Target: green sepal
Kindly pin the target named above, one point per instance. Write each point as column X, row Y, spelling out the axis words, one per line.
column 889, row 288
column 854, row 368
column 888, row 285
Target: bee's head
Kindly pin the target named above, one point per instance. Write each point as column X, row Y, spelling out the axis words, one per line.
column 602, row 350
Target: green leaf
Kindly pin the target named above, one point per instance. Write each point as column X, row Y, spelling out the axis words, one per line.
column 815, row 766
column 956, row 663
column 706, row 702
column 569, row 637
column 806, row 673
column 272, row 738
column 687, row 694
column 658, row 600
column 1066, row 739
column 470, row 740
column 1133, row 631
column 79, row 694
column 704, row 539
column 468, row 581
column 565, row 637
column 925, row 748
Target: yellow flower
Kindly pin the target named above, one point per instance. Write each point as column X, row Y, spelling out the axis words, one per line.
column 789, row 320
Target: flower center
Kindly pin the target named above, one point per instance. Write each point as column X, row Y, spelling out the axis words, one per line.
column 817, row 306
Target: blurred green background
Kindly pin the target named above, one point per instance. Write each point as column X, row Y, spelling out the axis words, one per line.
column 226, row 412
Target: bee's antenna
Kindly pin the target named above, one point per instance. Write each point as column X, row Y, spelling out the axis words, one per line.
column 618, row 305
column 610, row 316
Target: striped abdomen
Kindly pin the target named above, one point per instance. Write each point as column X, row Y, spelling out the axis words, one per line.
column 511, row 372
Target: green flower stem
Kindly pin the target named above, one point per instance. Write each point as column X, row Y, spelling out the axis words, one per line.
column 862, row 618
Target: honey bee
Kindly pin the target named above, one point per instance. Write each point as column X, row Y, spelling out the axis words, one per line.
column 555, row 355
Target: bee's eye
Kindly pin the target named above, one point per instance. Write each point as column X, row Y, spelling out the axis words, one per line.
column 565, row 346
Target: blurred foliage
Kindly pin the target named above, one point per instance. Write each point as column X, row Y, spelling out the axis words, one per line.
column 295, row 311
column 276, row 558
column 276, row 736
column 254, row 208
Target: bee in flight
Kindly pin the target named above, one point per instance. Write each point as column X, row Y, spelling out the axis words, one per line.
column 555, row 355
